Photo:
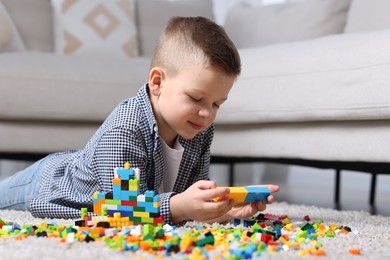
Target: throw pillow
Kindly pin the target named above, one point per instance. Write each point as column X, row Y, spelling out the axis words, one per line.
column 367, row 15
column 253, row 25
column 95, row 27
column 10, row 39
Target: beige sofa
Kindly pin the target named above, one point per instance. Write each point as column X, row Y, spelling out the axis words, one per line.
column 314, row 88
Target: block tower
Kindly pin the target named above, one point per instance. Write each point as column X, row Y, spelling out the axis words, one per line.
column 126, row 200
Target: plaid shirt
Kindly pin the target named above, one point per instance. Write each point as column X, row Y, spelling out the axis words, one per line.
column 129, row 134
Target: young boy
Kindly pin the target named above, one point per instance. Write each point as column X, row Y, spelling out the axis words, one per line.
column 165, row 131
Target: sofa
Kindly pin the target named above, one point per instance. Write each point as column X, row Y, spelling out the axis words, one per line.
column 313, row 91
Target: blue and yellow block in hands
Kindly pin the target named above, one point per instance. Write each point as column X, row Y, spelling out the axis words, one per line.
column 248, row 194
column 126, row 200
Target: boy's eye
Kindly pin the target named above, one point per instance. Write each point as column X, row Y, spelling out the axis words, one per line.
column 195, row 99
column 216, row 105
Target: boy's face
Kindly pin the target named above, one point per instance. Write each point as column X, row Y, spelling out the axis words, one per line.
column 187, row 103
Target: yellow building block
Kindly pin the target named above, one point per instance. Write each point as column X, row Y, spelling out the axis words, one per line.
column 237, row 194
column 141, row 214
column 127, row 166
column 134, row 184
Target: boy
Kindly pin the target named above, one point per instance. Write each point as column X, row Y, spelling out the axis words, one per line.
column 165, row 131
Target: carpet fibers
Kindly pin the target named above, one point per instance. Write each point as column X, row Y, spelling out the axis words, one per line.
column 371, row 234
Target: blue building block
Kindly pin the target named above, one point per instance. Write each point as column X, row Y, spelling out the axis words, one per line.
column 125, row 194
column 149, row 193
column 125, row 174
column 123, row 213
column 257, row 194
column 116, row 190
column 101, row 195
column 125, row 208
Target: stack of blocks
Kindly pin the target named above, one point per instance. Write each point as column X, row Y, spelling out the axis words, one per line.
column 126, row 199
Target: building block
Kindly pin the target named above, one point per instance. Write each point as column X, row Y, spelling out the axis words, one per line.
column 238, row 193
column 257, row 194
column 247, row 194
column 84, row 212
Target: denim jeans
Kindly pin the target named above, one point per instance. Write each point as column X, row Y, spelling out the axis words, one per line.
column 18, row 190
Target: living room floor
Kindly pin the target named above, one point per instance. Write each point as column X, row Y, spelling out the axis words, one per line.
column 312, row 186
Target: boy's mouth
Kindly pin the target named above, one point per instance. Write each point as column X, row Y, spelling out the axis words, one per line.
column 196, row 126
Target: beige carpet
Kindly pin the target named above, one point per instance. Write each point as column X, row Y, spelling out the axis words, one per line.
column 369, row 233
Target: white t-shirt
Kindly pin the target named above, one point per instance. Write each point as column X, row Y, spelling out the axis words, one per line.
column 172, row 159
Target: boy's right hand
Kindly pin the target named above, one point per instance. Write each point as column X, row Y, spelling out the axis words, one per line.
column 197, row 202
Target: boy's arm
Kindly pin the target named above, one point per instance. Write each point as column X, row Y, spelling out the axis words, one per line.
column 115, row 147
column 199, row 172
column 165, row 210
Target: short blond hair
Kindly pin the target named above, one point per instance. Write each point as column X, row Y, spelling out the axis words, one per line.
column 188, row 41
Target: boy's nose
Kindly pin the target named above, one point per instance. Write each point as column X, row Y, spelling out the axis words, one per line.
column 205, row 113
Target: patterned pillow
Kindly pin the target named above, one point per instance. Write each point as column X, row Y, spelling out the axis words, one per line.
column 95, row 27
column 9, row 37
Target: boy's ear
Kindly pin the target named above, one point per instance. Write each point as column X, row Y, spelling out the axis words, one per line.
column 156, row 75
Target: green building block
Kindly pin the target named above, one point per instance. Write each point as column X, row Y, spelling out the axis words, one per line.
column 84, row 212
column 148, row 230
column 204, row 241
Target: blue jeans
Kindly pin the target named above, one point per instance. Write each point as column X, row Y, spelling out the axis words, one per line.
column 18, row 190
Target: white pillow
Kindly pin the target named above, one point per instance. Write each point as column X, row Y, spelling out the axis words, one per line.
column 251, row 26
column 368, row 15
column 97, row 27
column 10, row 39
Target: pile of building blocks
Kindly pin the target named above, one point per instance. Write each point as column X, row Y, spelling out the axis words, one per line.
column 125, row 205
column 267, row 234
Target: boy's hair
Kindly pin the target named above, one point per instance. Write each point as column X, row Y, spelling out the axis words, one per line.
column 188, row 41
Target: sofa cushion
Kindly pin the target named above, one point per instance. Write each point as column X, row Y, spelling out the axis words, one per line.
column 339, row 77
column 251, row 26
column 376, row 10
column 9, row 36
column 153, row 15
column 95, row 27
column 43, row 86
column 34, row 21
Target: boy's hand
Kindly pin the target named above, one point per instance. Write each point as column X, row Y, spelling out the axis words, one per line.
column 197, row 202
